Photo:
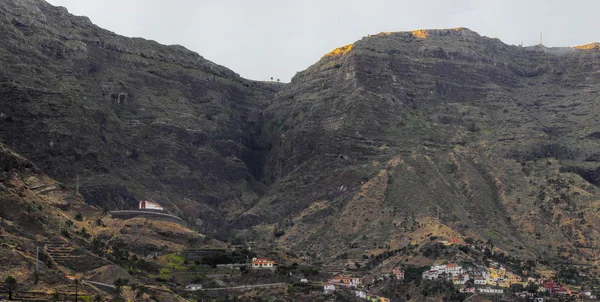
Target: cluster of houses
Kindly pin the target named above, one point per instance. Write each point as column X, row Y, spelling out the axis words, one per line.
column 351, row 283
column 498, row 276
column 495, row 275
column 556, row 288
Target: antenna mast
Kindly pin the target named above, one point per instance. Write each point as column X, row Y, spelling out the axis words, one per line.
column 541, row 39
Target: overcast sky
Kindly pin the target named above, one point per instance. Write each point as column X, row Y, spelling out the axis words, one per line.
column 260, row 39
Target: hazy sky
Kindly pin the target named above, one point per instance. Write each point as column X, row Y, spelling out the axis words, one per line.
column 260, row 39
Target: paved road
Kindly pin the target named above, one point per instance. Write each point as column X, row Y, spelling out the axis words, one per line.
column 247, row 286
column 144, row 213
column 99, row 283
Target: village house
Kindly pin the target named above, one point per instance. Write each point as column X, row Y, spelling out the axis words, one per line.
column 431, row 274
column 467, row 290
column 553, row 287
column 456, row 279
column 263, row 263
column 479, row 280
column 514, row 278
column 399, row 274
column 373, row 298
column 453, row 269
column 488, row 290
column 445, row 270
column 460, row 279
column 361, row 294
column 328, row 289
column 150, row 205
column 346, row 281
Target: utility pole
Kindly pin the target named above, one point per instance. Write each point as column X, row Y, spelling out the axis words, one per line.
column 37, row 262
column 77, row 184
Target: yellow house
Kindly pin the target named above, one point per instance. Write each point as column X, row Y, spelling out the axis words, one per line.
column 504, row 283
column 513, row 278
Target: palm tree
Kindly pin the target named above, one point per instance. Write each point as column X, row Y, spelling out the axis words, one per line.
column 11, row 285
column 139, row 290
column 97, row 298
column 119, row 289
column 55, row 297
column 119, row 283
column 76, row 281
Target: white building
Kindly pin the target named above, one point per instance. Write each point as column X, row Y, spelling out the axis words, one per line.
column 360, row 294
column 193, row 287
column 328, row 288
column 431, row 274
column 479, row 280
column 261, row 263
column 347, row 281
column 149, row 205
column 488, row 290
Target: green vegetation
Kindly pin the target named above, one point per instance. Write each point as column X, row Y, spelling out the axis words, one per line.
column 442, row 288
column 11, row 285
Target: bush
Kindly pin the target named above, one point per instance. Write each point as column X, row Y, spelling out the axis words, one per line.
column 79, row 217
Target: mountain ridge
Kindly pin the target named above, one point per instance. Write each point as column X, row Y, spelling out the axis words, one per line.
column 360, row 149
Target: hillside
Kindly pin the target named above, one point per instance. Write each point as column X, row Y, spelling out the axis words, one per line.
column 381, row 144
column 131, row 118
column 35, row 210
column 499, row 140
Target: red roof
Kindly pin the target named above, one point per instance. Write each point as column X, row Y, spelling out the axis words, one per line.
column 262, row 261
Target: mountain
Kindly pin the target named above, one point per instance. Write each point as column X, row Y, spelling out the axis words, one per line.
column 131, row 118
column 391, row 140
column 498, row 141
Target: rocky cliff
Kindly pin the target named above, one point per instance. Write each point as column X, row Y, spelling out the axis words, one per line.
column 131, row 118
column 498, row 142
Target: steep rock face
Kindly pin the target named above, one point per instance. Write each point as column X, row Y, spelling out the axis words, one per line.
column 131, row 118
column 379, row 139
column 463, row 127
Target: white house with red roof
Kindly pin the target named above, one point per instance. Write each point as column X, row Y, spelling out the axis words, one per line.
column 399, row 274
column 479, row 280
column 347, row 281
column 150, row 205
column 263, row 263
